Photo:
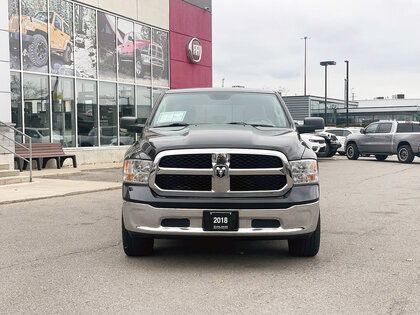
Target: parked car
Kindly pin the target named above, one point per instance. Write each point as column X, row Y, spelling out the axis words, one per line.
column 209, row 163
column 35, row 33
column 331, row 141
column 317, row 144
column 386, row 138
column 342, row 134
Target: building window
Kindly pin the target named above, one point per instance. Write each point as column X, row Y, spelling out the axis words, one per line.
column 143, row 66
column 16, row 101
column 37, row 107
column 107, row 46
column 108, row 119
column 126, row 51
column 63, row 114
column 160, row 58
column 34, row 35
column 126, row 109
column 14, row 34
column 87, row 113
column 61, row 39
column 143, row 102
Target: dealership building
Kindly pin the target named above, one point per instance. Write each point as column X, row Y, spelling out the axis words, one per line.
column 70, row 69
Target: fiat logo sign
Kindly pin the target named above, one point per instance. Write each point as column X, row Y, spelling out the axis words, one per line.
column 194, row 50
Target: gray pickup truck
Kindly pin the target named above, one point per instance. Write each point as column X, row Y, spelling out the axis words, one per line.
column 385, row 138
column 220, row 163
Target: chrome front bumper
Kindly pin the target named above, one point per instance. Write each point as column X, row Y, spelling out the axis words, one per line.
column 295, row 220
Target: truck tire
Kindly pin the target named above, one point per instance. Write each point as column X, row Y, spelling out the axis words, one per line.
column 352, row 151
column 67, row 55
column 136, row 246
column 405, row 154
column 38, row 51
column 381, row 157
column 307, row 247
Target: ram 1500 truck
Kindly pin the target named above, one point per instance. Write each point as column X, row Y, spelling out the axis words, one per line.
column 385, row 138
column 220, row 163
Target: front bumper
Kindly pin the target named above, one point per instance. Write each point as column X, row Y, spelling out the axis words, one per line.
column 297, row 218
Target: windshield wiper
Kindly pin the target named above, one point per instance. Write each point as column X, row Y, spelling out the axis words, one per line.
column 253, row 125
column 172, row 125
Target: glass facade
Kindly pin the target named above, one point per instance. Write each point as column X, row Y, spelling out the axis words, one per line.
column 75, row 70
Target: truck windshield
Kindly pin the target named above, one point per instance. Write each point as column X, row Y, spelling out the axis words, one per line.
column 259, row 109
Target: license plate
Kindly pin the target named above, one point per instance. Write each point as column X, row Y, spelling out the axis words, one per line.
column 220, row 220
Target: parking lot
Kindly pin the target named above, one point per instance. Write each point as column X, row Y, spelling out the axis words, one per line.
column 64, row 255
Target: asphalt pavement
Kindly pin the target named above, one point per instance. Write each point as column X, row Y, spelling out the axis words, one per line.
column 64, row 255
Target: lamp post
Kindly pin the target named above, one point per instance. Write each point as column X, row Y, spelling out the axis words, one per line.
column 326, row 64
column 304, row 66
column 347, row 92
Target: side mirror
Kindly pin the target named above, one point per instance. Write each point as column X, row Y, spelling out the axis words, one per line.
column 310, row 124
column 131, row 124
column 363, row 131
column 130, row 38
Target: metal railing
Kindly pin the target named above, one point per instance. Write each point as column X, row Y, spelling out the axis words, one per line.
column 20, row 144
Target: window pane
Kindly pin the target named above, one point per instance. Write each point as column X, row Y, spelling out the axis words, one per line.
column 37, row 107
column 107, row 46
column 61, row 42
column 63, row 119
column 125, row 37
column 85, row 41
column 126, row 102
column 384, row 128
column 371, row 128
column 14, row 32
column 108, row 113
column 143, row 67
column 16, row 102
column 34, row 21
column 404, row 127
column 87, row 113
column 416, row 127
column 160, row 59
column 143, row 102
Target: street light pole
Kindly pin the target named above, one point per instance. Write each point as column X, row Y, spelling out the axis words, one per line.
column 304, row 73
column 326, row 64
column 347, row 92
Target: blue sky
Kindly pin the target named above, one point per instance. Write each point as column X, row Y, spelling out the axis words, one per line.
column 258, row 44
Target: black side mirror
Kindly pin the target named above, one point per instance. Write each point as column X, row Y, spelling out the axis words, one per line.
column 310, row 124
column 131, row 124
column 363, row 131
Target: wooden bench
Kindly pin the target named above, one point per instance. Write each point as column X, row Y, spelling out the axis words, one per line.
column 44, row 151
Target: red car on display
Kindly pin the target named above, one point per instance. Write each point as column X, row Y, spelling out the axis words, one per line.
column 143, row 53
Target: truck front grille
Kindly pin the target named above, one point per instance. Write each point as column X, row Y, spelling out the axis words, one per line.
column 220, row 172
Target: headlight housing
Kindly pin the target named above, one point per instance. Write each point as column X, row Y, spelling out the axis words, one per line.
column 304, row 171
column 137, row 171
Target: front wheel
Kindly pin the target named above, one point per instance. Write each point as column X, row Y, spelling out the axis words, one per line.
column 136, row 246
column 381, row 157
column 67, row 55
column 38, row 51
column 405, row 154
column 352, row 152
column 307, row 247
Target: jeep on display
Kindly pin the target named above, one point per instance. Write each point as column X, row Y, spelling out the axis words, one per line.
column 220, row 163
column 35, row 39
column 386, row 138
column 143, row 53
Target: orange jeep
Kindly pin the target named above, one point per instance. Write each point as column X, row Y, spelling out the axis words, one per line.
column 34, row 37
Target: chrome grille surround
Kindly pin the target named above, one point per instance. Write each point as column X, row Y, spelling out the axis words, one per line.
column 220, row 184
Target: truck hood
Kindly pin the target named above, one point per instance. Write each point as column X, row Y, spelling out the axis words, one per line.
column 155, row 140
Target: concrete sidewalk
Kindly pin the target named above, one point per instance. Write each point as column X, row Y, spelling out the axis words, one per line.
column 57, row 184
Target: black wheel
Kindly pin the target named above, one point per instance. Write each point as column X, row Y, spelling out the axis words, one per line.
column 67, row 55
column 307, row 247
column 405, row 154
column 342, row 153
column 136, row 246
column 352, row 152
column 38, row 51
column 381, row 157
column 139, row 66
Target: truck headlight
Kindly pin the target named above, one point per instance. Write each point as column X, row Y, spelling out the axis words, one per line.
column 304, row 171
column 137, row 171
